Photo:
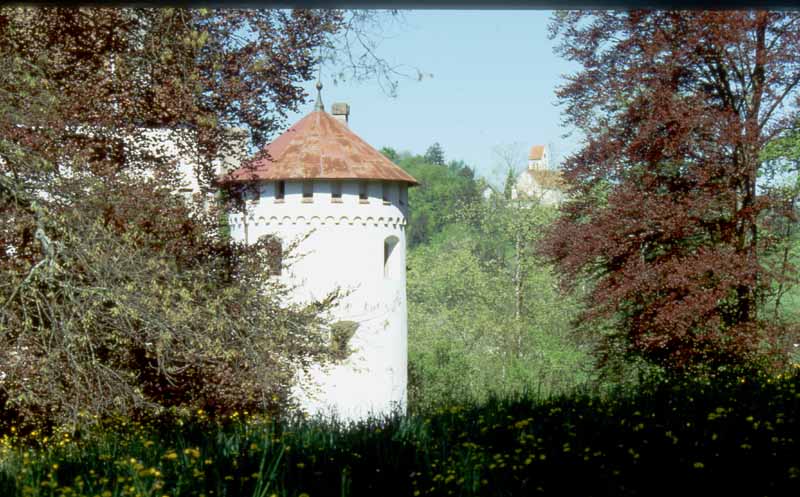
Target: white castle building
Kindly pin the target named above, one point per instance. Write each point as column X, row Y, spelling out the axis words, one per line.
column 320, row 179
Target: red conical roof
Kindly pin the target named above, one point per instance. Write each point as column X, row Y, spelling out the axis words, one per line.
column 319, row 147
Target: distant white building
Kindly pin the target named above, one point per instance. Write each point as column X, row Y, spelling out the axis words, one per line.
column 321, row 178
column 538, row 181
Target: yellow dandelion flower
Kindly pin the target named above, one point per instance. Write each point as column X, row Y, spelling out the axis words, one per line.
column 193, row 452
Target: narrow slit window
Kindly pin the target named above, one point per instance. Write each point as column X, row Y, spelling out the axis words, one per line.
column 308, row 191
column 390, row 258
column 280, row 190
column 385, row 193
column 403, row 195
column 362, row 192
column 336, row 191
column 274, row 249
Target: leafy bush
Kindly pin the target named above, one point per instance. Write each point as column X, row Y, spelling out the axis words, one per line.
column 122, row 316
column 465, row 341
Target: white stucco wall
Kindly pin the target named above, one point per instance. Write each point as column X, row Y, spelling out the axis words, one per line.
column 180, row 146
column 345, row 249
column 529, row 187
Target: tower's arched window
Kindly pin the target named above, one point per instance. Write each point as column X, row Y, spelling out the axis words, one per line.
column 391, row 258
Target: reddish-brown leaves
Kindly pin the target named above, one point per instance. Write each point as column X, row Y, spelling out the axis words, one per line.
column 676, row 107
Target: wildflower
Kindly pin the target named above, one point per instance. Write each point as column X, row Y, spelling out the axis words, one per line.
column 193, row 452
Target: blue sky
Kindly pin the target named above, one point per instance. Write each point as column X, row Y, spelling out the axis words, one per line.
column 494, row 76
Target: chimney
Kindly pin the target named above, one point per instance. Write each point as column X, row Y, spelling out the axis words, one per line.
column 341, row 111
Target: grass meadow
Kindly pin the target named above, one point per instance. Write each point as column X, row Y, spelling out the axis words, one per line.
column 733, row 436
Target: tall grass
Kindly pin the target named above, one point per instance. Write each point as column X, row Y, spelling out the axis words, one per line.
column 735, row 436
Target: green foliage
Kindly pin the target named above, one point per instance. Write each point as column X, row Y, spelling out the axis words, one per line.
column 780, row 176
column 485, row 316
column 731, row 436
column 390, row 154
column 435, row 155
column 442, row 192
column 508, row 184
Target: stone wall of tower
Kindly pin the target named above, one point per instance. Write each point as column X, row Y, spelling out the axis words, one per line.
column 345, row 248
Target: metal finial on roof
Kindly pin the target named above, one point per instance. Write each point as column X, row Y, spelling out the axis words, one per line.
column 318, row 105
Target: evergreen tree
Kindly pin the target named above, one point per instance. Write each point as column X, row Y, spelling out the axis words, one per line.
column 435, row 155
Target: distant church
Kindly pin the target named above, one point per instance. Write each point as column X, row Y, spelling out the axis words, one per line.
column 538, row 181
column 321, row 178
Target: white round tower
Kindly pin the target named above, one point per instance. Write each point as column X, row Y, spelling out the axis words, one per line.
column 320, row 180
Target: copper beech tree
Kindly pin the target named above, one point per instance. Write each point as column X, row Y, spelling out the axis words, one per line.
column 670, row 218
column 116, row 294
